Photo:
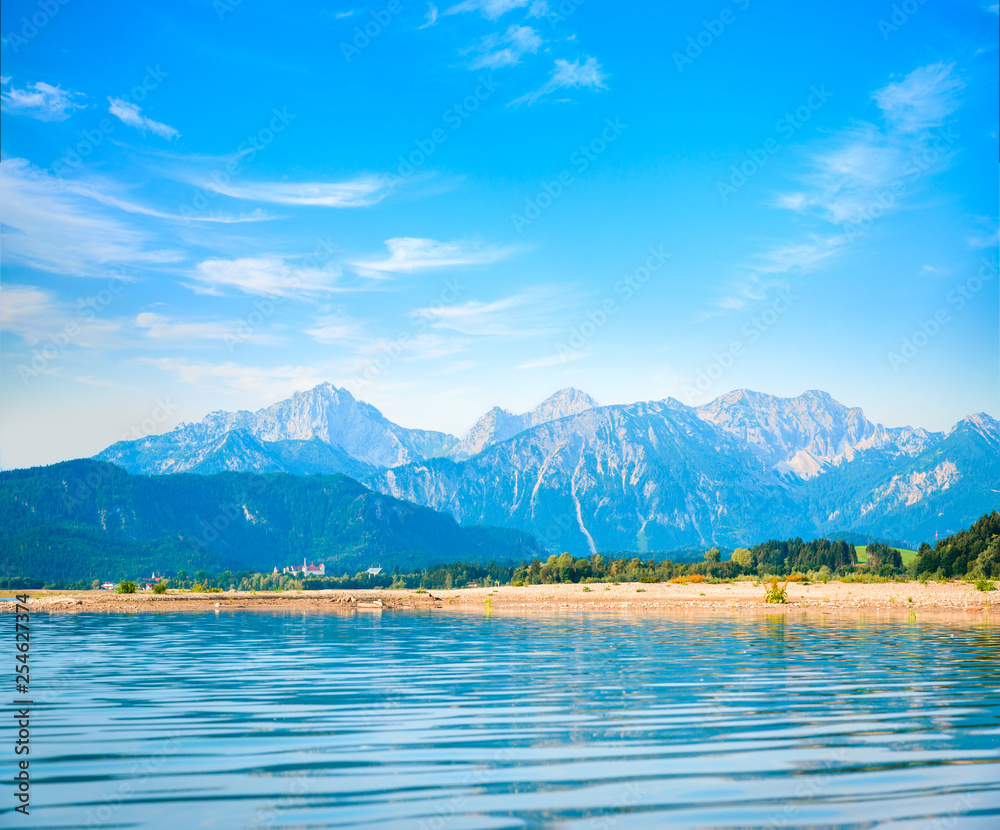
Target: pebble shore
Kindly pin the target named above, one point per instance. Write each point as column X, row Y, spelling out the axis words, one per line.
column 891, row 597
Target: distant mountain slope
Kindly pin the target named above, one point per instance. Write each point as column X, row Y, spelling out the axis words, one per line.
column 809, row 434
column 645, row 476
column 259, row 521
column 361, row 437
column 660, row 475
column 499, row 425
column 940, row 491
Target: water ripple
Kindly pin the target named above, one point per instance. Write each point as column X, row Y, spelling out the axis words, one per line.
column 441, row 722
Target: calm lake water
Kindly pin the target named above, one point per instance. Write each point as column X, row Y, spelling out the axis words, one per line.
column 451, row 722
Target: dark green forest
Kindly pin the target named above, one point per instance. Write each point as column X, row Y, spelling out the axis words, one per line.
column 85, row 520
column 69, row 524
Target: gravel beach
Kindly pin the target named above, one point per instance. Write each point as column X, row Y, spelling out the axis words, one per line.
column 891, row 597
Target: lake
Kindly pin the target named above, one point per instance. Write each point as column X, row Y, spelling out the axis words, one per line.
column 455, row 721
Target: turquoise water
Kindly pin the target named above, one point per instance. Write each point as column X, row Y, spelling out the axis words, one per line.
column 450, row 722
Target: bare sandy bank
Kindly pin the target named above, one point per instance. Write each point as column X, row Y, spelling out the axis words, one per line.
column 745, row 597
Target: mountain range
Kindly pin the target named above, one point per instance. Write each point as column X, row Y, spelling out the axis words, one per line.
column 656, row 475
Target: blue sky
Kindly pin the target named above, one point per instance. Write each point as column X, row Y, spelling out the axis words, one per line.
column 444, row 207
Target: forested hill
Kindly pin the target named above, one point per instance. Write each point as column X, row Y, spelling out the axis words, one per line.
column 88, row 519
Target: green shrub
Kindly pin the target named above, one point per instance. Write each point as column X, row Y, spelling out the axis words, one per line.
column 125, row 588
column 984, row 584
column 586, row 590
column 197, row 588
column 159, row 588
column 773, row 592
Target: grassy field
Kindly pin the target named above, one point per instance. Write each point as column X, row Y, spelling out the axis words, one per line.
column 908, row 555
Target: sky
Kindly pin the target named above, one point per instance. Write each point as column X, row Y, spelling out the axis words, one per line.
column 446, row 207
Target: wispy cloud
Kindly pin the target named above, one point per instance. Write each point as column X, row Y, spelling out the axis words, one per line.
column 41, row 101
column 525, row 314
column 419, row 347
column 264, row 275
column 567, row 75
column 104, row 192
column 337, row 329
column 408, row 254
column 359, row 192
column 131, row 114
column 493, row 9
column 849, row 173
column 507, row 49
column 47, row 225
column 798, row 256
column 431, row 16
column 268, row 383
column 923, row 100
column 552, row 360
column 36, row 315
column 171, row 329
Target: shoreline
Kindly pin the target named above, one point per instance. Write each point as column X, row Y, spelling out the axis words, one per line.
column 634, row 598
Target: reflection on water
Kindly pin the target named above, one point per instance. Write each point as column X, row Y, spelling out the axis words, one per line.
column 405, row 720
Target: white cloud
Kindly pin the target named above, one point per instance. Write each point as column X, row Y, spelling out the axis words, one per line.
column 567, row 75
column 38, row 316
column 47, row 225
column 924, row 99
column 849, row 178
column 521, row 315
column 359, row 192
column 414, row 347
column 102, row 191
column 40, row 100
column 264, row 275
column 336, row 328
column 798, row 256
column 408, row 254
column 130, row 114
column 161, row 328
column 506, row 49
column 431, row 17
column 267, row 383
column 552, row 360
column 491, row 9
